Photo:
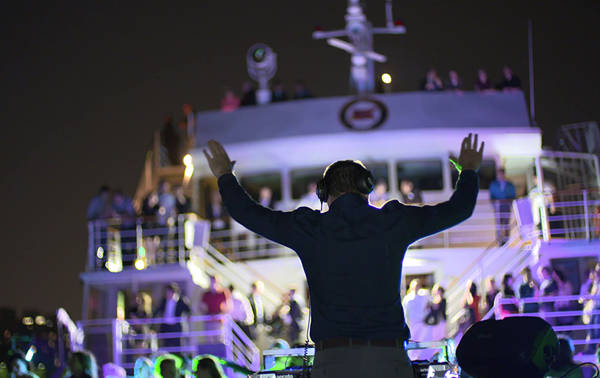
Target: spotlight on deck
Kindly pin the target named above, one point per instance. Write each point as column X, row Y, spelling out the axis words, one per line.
column 100, row 253
column 140, row 264
column 189, row 169
column 386, row 78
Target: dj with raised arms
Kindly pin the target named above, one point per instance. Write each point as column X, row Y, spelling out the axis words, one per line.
column 352, row 257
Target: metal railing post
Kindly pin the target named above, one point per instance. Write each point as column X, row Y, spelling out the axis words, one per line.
column 181, row 238
column 117, row 339
column 586, row 215
column 139, row 240
column 91, row 244
column 228, row 336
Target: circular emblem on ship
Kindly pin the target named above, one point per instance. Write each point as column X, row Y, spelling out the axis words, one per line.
column 363, row 114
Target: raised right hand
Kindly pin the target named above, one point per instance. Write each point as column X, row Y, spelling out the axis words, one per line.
column 470, row 157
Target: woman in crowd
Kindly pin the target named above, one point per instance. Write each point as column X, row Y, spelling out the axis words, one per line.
column 490, row 294
column 528, row 289
column 471, row 305
column 548, row 288
column 82, row 364
column 436, row 313
column 564, row 289
column 483, row 83
column 506, row 292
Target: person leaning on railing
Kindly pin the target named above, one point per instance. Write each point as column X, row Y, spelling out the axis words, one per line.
column 502, row 193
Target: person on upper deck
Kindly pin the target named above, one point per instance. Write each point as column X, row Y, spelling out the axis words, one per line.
column 352, row 256
column 502, row 193
column 278, row 94
column 483, row 83
column 300, row 91
column 99, row 206
column 510, row 81
column 432, row 82
column 454, row 82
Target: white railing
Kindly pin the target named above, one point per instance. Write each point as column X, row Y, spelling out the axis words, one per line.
column 218, row 332
column 568, row 321
column 210, row 261
column 515, row 255
column 570, row 214
column 239, row 243
column 116, row 244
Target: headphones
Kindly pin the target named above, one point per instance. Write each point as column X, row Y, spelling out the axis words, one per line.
column 364, row 183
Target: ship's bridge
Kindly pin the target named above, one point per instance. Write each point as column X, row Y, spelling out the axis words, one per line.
column 400, row 125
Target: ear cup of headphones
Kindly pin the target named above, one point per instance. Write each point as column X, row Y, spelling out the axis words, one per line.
column 322, row 190
column 366, row 183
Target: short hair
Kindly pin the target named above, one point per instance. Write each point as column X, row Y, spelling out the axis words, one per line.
column 169, row 363
column 16, row 356
column 343, row 176
column 472, row 288
column 174, row 287
column 565, row 352
column 210, row 363
column 87, row 360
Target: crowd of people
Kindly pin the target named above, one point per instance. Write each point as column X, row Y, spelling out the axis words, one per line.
column 433, row 83
column 111, row 209
column 425, row 313
column 248, row 311
column 501, row 301
column 220, row 220
column 83, row 364
column 231, row 101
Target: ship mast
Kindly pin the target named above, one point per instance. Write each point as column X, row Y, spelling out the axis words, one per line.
column 359, row 32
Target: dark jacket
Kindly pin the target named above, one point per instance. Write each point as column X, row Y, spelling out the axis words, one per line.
column 181, row 307
column 352, row 255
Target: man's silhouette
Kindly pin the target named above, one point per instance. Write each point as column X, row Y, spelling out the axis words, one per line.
column 352, row 257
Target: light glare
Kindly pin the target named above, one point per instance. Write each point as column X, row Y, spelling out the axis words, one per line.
column 386, row 78
column 140, row 264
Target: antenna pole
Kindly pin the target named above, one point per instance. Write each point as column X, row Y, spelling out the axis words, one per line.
column 531, row 86
column 388, row 14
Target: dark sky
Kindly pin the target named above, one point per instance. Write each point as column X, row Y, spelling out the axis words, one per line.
column 85, row 84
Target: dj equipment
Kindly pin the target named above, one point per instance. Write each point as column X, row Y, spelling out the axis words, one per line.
column 286, row 363
column 426, row 369
column 364, row 183
column 513, row 347
column 445, row 366
column 289, row 362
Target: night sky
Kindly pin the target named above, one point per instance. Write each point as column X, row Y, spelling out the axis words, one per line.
column 85, row 84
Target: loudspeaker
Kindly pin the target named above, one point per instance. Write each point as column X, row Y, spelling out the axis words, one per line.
column 513, row 347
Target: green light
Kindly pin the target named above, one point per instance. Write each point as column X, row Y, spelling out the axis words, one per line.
column 141, row 252
column 456, row 165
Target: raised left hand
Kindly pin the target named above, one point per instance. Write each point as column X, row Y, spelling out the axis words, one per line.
column 218, row 160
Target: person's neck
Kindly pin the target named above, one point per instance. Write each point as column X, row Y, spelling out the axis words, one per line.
column 332, row 199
